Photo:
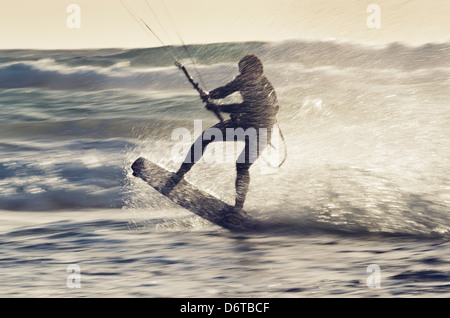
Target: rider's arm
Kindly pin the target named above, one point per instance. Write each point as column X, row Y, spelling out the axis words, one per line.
column 224, row 91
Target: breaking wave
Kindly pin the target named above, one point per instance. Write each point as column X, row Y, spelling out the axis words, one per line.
column 153, row 67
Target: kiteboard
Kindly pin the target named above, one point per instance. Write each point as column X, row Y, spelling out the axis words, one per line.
column 193, row 199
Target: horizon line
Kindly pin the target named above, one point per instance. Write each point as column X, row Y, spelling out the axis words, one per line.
column 305, row 40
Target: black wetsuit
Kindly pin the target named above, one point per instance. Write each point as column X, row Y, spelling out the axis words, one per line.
column 259, row 106
column 257, row 111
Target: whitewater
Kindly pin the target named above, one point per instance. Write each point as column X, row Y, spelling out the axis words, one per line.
column 365, row 184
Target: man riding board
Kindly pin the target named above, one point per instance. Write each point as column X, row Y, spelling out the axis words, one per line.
column 257, row 112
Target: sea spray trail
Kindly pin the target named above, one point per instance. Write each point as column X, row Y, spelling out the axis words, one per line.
column 366, row 129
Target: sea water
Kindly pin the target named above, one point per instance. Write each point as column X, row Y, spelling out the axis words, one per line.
column 360, row 207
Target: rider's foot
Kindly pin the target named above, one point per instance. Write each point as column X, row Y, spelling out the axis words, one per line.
column 234, row 216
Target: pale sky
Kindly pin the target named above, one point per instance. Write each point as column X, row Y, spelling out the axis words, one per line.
column 106, row 23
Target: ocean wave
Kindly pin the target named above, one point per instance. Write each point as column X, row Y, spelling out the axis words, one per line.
column 153, row 67
column 310, row 53
column 50, row 75
column 47, row 73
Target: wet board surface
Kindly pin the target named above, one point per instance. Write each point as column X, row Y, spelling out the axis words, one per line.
column 191, row 198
